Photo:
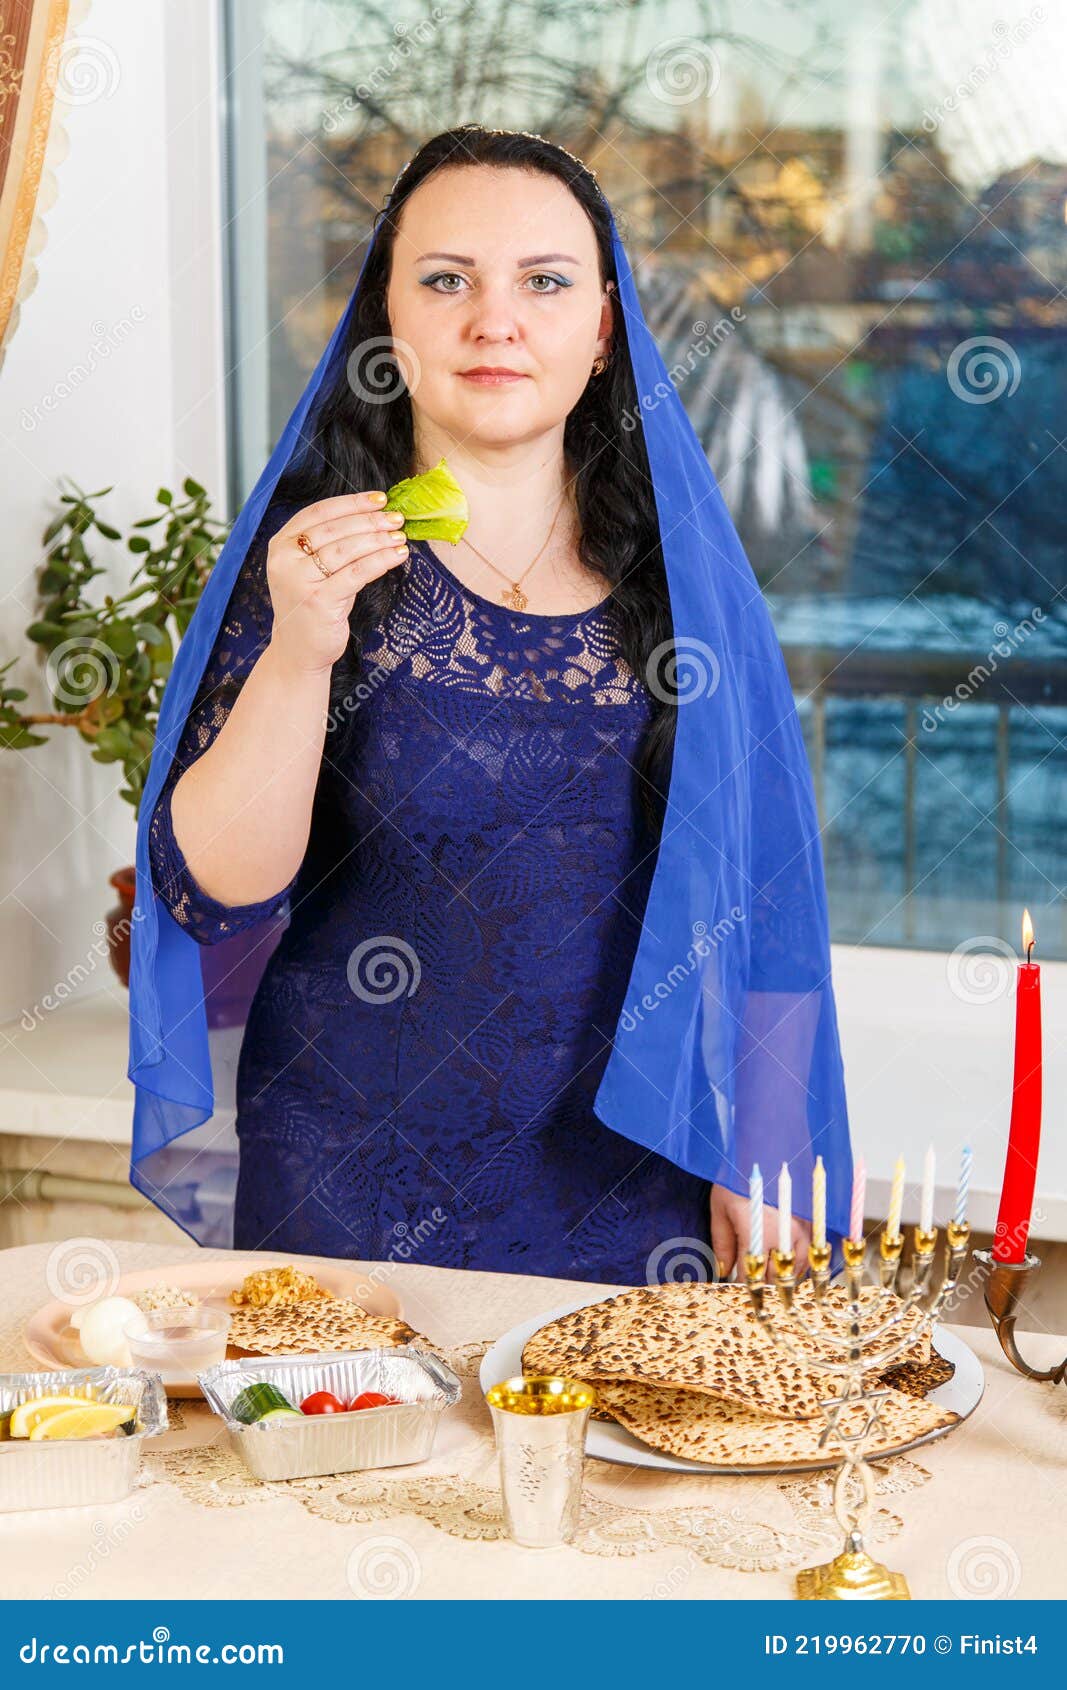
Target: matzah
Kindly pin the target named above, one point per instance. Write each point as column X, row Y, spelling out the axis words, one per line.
column 704, row 1428
column 302, row 1328
column 698, row 1337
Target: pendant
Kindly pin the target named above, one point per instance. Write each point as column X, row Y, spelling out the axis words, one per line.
column 516, row 599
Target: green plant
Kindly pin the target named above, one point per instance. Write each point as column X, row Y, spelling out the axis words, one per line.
column 107, row 664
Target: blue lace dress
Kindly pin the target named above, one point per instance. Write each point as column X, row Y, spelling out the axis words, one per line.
column 418, row 1067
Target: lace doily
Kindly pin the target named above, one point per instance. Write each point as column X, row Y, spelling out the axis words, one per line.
column 466, row 1504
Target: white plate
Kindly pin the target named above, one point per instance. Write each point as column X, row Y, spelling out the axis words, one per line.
column 53, row 1342
column 609, row 1442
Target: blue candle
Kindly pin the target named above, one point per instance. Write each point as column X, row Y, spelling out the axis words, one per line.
column 966, row 1161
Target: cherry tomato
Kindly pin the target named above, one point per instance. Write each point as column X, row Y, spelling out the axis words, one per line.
column 371, row 1399
column 322, row 1402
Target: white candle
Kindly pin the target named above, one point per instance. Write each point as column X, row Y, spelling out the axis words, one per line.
column 755, row 1212
column 785, row 1211
column 966, row 1162
column 926, row 1211
column 896, row 1200
column 859, row 1200
column 818, row 1204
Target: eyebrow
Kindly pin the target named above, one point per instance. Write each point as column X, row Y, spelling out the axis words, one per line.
column 521, row 263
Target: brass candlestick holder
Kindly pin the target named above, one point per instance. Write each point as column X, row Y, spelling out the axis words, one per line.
column 858, row 1340
column 1004, row 1288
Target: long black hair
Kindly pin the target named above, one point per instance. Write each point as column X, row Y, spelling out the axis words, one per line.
column 354, row 441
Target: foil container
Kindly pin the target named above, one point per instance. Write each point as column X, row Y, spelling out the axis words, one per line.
column 390, row 1436
column 73, row 1472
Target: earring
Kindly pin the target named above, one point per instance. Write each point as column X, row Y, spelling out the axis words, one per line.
column 600, row 364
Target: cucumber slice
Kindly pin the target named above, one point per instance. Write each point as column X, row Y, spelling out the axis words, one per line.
column 255, row 1402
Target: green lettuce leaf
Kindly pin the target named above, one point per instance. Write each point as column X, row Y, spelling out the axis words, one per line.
column 434, row 505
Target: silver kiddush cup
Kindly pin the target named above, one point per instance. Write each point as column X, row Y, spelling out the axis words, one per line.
column 540, row 1438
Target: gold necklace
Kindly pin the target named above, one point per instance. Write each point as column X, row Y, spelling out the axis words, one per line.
column 515, row 598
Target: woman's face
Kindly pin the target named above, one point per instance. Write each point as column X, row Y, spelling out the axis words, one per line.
column 496, row 268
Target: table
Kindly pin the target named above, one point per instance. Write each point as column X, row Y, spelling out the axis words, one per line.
column 978, row 1513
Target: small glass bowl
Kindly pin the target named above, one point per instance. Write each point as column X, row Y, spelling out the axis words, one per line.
column 180, row 1343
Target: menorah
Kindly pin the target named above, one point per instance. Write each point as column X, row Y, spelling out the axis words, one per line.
column 855, row 1338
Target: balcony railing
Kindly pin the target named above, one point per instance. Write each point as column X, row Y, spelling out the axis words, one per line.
column 925, row 682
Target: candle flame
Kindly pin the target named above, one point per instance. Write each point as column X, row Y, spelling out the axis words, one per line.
column 1028, row 933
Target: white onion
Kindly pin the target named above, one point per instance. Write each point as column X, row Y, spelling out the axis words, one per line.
column 78, row 1315
column 103, row 1329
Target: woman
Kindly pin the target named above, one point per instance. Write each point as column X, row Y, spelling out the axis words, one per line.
column 452, row 763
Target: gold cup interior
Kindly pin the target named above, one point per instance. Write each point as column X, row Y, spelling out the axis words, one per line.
column 544, row 1393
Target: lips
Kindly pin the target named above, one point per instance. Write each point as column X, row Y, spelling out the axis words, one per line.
column 490, row 375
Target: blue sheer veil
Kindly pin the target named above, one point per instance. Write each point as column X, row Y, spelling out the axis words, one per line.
column 726, row 1051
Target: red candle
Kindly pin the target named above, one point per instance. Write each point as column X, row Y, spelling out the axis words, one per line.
column 1024, row 1135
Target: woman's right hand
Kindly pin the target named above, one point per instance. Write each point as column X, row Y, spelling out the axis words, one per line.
column 357, row 541
column 730, row 1233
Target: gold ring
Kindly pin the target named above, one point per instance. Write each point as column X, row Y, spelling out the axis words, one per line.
column 309, row 551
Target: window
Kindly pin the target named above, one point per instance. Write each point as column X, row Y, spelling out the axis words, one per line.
column 864, row 209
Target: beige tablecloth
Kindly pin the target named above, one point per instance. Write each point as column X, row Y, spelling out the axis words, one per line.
column 978, row 1513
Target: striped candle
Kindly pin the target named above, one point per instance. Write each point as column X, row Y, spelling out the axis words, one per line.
column 859, row 1200
column 896, row 1200
column 755, row 1211
column 966, row 1163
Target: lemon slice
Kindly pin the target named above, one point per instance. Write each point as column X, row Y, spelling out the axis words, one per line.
column 26, row 1415
column 88, row 1420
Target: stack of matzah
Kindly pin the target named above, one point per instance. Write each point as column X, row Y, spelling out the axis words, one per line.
column 689, row 1370
column 329, row 1323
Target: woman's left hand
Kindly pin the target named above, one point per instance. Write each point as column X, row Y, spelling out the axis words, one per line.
column 730, row 1234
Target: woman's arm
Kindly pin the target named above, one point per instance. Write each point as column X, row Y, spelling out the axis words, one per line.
column 240, row 813
column 243, row 637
